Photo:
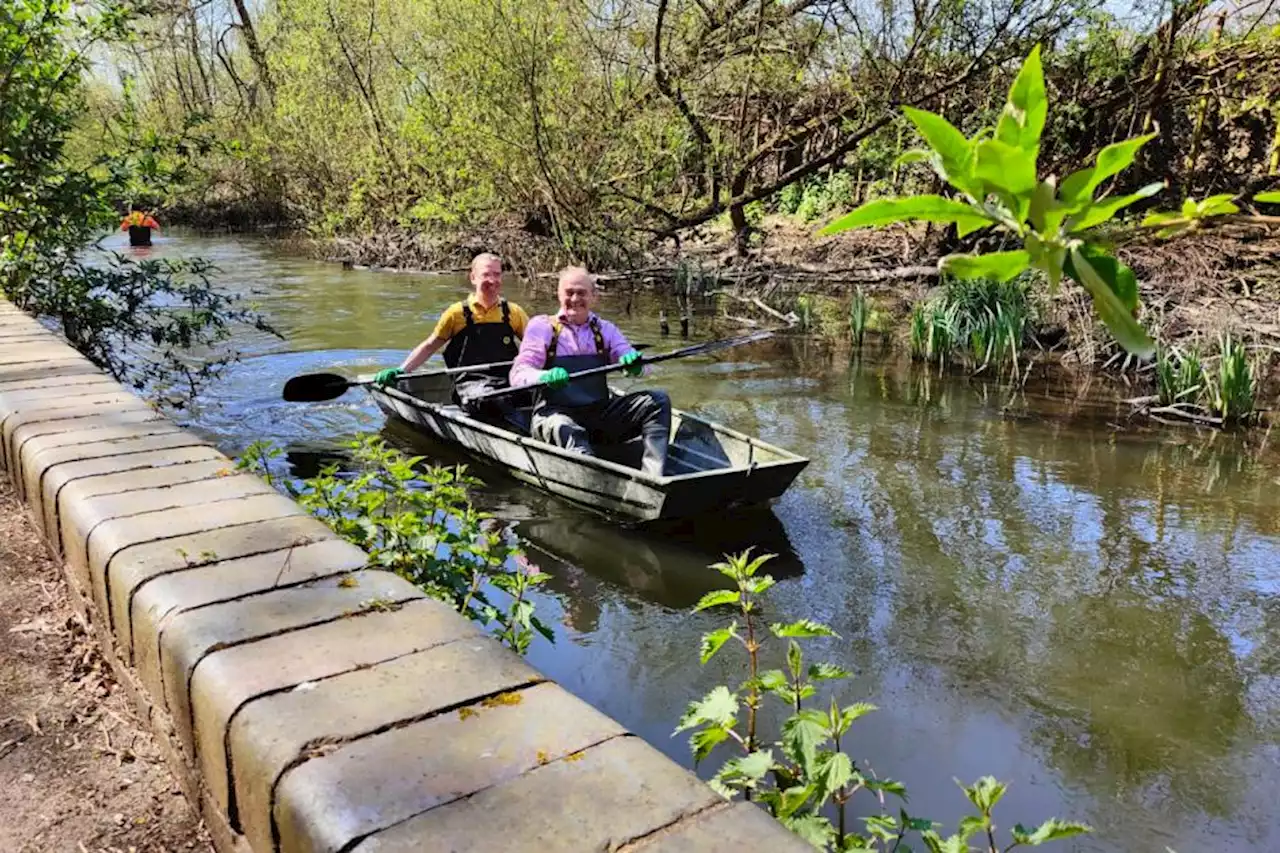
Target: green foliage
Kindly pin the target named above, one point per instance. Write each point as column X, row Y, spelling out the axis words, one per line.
column 1232, row 393
column 806, row 774
column 154, row 325
column 420, row 524
column 859, row 317
column 1179, row 375
column 1059, row 226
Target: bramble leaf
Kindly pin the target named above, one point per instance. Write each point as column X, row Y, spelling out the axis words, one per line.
column 922, row 208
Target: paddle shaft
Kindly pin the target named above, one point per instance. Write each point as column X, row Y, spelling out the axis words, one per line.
column 696, row 349
column 449, row 371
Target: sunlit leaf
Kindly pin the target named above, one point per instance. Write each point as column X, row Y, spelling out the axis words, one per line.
column 795, row 659
column 853, row 712
column 1078, row 187
column 1217, row 205
column 713, row 640
column 771, row 680
column 747, row 771
column 719, row 707
column 953, row 151
column 1269, row 197
column 1113, row 312
column 1051, row 830
column 827, row 671
column 985, row 793
column 802, row 734
column 802, row 628
column 1000, row 266
column 703, row 741
column 790, row 800
column 1118, row 277
column 971, row 825
column 1105, row 209
column 815, row 829
column 833, row 772
column 1024, row 115
column 921, row 208
column 718, row 597
column 1004, row 167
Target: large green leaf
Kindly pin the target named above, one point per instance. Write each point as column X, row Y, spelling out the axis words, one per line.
column 802, row 734
column 1024, row 114
column 1269, row 197
column 1105, row 209
column 815, row 829
column 1079, row 186
column 713, row 640
column 802, row 628
column 922, row 208
column 1117, row 276
column 719, row 707
column 718, row 597
column 1113, row 312
column 834, row 771
column 1000, row 266
column 1004, row 167
column 1051, row 830
column 954, row 153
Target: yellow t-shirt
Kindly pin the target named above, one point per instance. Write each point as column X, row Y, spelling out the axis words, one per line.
column 453, row 321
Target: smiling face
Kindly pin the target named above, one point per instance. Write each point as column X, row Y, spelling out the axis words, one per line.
column 486, row 277
column 577, row 293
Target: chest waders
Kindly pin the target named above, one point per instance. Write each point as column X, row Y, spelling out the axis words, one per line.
column 482, row 343
column 581, row 392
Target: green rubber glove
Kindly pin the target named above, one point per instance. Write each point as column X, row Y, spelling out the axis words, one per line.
column 556, row 378
column 388, row 376
column 630, row 361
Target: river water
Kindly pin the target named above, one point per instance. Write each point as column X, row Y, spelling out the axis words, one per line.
column 1089, row 614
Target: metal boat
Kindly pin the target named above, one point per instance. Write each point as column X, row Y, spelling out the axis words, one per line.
column 710, row 467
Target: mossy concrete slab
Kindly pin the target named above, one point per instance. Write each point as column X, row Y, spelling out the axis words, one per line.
column 156, row 600
column 600, row 799
column 325, row 804
column 226, row 680
column 89, row 470
column 272, row 539
column 190, row 635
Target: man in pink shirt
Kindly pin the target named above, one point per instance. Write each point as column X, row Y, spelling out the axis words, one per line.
column 573, row 414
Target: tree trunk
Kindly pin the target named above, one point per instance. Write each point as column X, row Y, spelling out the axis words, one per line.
column 256, row 52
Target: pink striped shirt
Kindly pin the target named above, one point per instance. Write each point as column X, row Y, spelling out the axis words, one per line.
column 574, row 340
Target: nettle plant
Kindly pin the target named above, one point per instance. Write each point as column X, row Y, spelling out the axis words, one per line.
column 1060, row 225
column 420, row 523
column 806, row 777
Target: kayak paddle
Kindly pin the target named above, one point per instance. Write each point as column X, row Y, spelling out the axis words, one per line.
column 318, row 387
column 685, row 352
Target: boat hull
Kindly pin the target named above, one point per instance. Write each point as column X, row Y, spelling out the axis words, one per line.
column 711, row 467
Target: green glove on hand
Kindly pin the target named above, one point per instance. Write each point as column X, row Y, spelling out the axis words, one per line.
column 556, row 378
column 388, row 376
column 630, row 361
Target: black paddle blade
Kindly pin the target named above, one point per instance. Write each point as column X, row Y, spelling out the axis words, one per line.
column 315, row 387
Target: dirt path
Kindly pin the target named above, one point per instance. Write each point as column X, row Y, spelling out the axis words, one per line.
column 78, row 772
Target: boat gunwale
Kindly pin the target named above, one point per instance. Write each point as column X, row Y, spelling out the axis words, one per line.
column 461, row 418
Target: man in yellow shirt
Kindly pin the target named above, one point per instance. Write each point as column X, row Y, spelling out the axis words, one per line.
column 481, row 329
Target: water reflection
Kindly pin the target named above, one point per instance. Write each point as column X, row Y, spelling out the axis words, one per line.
column 1089, row 612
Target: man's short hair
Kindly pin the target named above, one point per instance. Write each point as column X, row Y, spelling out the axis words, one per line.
column 484, row 258
column 574, row 272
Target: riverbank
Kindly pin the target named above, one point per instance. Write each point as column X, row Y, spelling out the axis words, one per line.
column 78, row 771
column 1193, row 291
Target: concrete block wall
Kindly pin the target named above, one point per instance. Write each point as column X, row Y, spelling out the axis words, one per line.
column 304, row 701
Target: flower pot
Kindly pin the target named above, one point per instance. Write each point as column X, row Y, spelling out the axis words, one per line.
column 139, row 235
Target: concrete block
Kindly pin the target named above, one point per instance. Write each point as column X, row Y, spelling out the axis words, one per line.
column 77, row 437
column 90, row 470
column 328, row 803
column 110, row 524
column 74, row 403
column 742, row 826
column 601, row 799
column 155, row 599
column 189, row 636
column 228, row 679
column 26, row 372
column 36, row 465
column 12, row 449
column 135, row 566
column 60, row 376
column 28, row 353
